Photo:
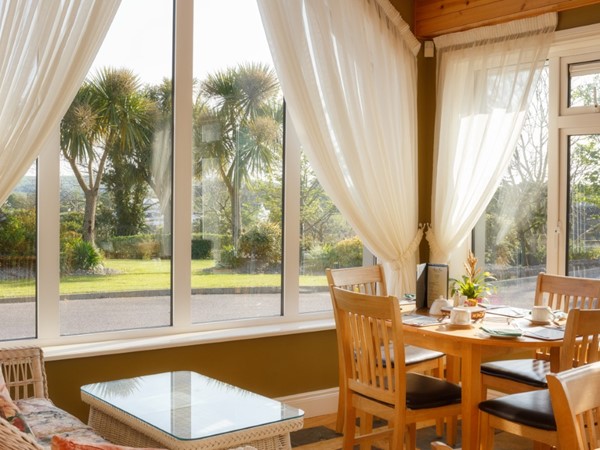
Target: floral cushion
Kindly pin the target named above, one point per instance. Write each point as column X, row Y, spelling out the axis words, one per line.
column 61, row 443
column 46, row 420
column 9, row 410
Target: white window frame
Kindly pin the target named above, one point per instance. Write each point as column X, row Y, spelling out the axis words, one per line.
column 182, row 331
column 570, row 46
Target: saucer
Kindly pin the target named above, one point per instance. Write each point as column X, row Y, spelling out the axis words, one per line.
column 459, row 326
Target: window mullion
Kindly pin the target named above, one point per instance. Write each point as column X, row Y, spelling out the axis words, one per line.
column 48, row 241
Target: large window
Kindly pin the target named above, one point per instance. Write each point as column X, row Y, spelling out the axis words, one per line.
column 545, row 216
column 216, row 223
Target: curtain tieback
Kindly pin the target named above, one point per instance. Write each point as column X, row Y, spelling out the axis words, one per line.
column 398, row 263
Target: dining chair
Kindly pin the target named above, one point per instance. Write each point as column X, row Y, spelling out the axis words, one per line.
column 530, row 414
column 377, row 383
column 575, row 397
column 371, row 280
column 560, row 293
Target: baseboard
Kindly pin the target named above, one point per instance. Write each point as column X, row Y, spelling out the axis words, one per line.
column 315, row 403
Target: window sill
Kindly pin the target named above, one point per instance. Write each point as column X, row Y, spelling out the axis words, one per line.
column 81, row 350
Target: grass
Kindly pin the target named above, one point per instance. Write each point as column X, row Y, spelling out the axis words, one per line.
column 135, row 274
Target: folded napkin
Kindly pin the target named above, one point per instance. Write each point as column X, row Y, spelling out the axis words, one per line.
column 502, row 331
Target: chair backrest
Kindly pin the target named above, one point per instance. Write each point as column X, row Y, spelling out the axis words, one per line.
column 371, row 338
column 367, row 279
column 581, row 343
column 575, row 396
column 565, row 293
column 24, row 372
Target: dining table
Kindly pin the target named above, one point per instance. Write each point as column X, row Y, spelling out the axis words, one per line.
column 466, row 347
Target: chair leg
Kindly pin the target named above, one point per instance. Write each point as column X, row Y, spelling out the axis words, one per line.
column 486, row 433
column 411, row 436
column 339, row 423
column 451, row 427
column 349, row 426
column 439, row 373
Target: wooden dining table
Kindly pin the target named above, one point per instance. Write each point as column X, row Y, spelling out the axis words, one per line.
column 466, row 349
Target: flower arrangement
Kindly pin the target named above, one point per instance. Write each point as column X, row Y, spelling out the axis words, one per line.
column 475, row 284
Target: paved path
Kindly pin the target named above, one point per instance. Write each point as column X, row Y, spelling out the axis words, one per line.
column 17, row 320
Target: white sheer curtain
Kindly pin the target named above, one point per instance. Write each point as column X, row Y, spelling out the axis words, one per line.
column 485, row 77
column 348, row 72
column 46, row 49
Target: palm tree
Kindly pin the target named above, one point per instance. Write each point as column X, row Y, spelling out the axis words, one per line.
column 107, row 121
column 238, row 118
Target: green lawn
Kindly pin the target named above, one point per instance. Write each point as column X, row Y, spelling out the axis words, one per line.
column 134, row 275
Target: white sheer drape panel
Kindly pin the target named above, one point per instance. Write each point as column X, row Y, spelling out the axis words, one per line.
column 46, row 49
column 348, row 72
column 485, row 77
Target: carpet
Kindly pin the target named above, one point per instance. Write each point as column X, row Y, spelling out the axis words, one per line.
column 425, row 436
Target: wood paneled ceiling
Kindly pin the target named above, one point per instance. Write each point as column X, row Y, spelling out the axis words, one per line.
column 436, row 17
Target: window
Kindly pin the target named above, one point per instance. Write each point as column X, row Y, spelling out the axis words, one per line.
column 18, row 260
column 545, row 214
column 237, row 166
column 115, row 180
column 512, row 234
column 120, row 216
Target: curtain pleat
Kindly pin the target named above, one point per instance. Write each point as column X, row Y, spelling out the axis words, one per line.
column 348, row 72
column 46, row 50
column 484, row 80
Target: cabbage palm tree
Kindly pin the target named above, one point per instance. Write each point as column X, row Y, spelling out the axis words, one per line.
column 238, row 120
column 108, row 119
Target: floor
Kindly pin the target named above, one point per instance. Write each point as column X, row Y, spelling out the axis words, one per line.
column 319, row 434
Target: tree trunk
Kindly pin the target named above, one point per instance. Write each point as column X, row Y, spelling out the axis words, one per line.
column 89, row 218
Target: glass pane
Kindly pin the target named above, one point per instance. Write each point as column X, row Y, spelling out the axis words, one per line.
column 584, row 81
column 326, row 241
column 18, row 231
column 116, row 180
column 584, row 206
column 238, row 160
column 510, row 239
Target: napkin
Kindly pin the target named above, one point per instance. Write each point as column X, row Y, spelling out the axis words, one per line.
column 502, row 331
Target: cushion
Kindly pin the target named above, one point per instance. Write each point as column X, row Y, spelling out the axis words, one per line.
column 62, row 443
column 45, row 420
column 532, row 408
column 527, row 371
column 9, row 410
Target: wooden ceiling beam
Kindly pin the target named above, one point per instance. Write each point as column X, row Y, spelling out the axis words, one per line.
column 437, row 17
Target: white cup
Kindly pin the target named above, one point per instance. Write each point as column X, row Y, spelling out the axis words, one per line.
column 541, row 314
column 460, row 316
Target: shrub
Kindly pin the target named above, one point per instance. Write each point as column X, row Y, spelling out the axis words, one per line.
column 201, row 249
column 140, row 246
column 347, row 253
column 78, row 254
column 262, row 243
column 229, row 259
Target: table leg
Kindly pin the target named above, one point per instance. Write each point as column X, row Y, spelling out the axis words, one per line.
column 471, row 396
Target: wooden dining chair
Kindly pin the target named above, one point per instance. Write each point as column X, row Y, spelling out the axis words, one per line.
column 560, row 293
column 530, row 414
column 371, row 280
column 377, row 383
column 575, row 396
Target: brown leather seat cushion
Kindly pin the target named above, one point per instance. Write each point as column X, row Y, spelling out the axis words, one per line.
column 423, row 391
column 531, row 408
column 528, row 371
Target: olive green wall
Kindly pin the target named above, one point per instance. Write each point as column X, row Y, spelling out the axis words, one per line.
column 276, row 366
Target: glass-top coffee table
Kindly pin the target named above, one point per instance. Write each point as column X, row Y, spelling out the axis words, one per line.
column 187, row 410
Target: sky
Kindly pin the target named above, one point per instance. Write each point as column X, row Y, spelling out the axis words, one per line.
column 226, row 32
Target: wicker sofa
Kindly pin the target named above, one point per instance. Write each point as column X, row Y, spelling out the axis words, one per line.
column 25, row 376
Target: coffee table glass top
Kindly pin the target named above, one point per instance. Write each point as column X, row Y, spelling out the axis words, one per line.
column 188, row 405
